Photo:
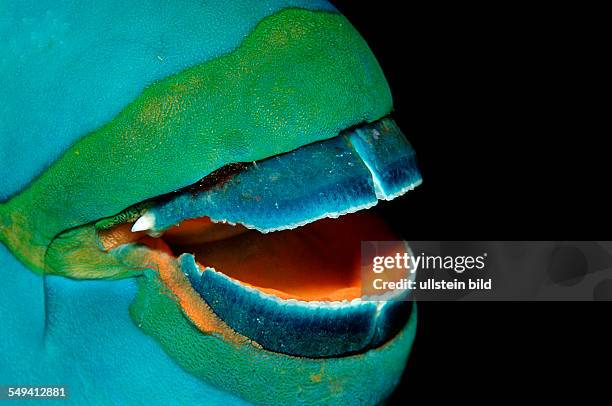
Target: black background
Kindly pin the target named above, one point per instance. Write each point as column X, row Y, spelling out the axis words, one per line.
column 495, row 102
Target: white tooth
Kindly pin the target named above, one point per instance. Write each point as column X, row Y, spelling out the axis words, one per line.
column 145, row 222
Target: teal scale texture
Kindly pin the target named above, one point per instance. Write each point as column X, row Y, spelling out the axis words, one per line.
column 68, row 67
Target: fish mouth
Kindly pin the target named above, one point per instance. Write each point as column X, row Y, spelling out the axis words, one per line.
column 268, row 252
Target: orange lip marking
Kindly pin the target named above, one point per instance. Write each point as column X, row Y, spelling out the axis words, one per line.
column 196, row 309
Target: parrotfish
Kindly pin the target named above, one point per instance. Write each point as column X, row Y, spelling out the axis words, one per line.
column 184, row 191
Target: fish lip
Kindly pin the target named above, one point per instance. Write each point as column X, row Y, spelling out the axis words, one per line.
column 363, row 317
column 339, row 306
column 342, row 309
column 364, row 144
column 142, row 224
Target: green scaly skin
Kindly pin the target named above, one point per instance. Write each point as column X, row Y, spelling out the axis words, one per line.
column 241, row 107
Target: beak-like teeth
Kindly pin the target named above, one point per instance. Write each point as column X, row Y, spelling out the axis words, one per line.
column 145, row 222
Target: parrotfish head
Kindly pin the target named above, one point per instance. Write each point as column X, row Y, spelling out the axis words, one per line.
column 223, row 158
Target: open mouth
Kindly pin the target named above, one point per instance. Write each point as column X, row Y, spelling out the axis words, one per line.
column 270, row 250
